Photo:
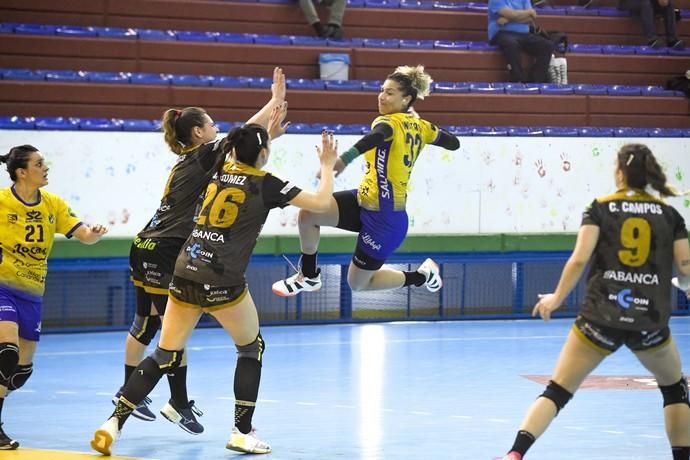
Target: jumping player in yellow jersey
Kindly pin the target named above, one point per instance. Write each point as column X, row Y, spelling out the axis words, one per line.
column 633, row 239
column 29, row 220
column 377, row 209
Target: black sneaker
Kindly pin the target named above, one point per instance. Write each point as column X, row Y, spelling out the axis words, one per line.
column 334, row 31
column 183, row 417
column 142, row 412
column 655, row 43
column 7, row 443
column 677, row 45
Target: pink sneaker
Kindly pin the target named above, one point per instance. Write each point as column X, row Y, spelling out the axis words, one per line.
column 510, row 456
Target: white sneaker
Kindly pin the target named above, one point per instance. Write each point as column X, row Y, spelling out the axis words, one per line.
column 247, row 443
column 431, row 272
column 295, row 284
column 105, row 437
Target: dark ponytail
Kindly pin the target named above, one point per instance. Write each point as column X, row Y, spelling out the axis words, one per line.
column 640, row 168
column 177, row 126
column 246, row 143
column 17, row 157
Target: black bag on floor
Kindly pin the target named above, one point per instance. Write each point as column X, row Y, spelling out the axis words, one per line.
column 680, row 83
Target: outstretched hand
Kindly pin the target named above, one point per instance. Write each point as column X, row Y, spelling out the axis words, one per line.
column 278, row 85
column 276, row 121
column 328, row 152
column 98, row 229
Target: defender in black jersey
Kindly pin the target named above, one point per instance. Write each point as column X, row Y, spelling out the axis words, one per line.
column 191, row 134
column 209, row 276
column 633, row 240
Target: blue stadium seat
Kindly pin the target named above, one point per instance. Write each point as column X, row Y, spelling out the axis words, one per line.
column 16, row 123
column 57, row 123
column 417, row 44
column 351, row 129
column 225, row 126
column 346, row 42
column 299, row 40
column 116, row 32
column 610, row 11
column 372, row 85
column 489, row 131
column 618, row 49
column 139, row 125
column 666, row 132
column 590, row 89
column 382, row 3
column 560, row 131
column 481, row 46
column 580, row 11
column 260, row 82
column 685, row 52
column 100, row 124
column 450, row 5
column 157, row 35
column 150, row 79
column 591, row 131
column 272, row 39
column 230, row 82
column 64, row 75
column 35, row 29
column 227, row 37
column 449, row 87
column 461, row 130
column 521, row 88
column 686, row 132
column 648, row 50
column 6, row 28
column 659, row 91
column 21, row 74
column 552, row 88
column 685, row 13
column 478, row 7
column 76, row 31
column 195, row 36
column 411, row 4
column 552, row 10
column 517, row 130
column 631, row 132
column 381, row 43
column 191, row 80
column 486, row 88
column 624, row 90
column 304, row 83
column 302, row 128
column 108, row 77
column 585, row 48
column 453, row 45
column 355, row 3
column 343, row 85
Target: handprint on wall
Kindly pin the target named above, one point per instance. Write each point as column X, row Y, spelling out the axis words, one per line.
column 540, row 168
column 566, row 163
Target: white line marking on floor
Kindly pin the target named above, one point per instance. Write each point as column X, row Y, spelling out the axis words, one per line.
column 612, row 432
column 303, row 403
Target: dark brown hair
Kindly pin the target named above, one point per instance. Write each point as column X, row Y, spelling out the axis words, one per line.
column 246, row 142
column 177, row 126
column 17, row 157
column 640, row 168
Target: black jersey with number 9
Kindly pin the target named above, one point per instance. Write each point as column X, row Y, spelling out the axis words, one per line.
column 629, row 282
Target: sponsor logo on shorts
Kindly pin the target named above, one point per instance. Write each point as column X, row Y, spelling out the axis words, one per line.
column 191, row 267
column 147, row 244
column 371, row 242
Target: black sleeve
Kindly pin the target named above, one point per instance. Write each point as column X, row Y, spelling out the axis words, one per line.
column 209, row 154
column 446, row 140
column 277, row 193
column 592, row 214
column 679, row 230
column 378, row 134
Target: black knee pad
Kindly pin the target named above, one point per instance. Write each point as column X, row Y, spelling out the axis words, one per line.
column 167, row 360
column 21, row 375
column 9, row 357
column 254, row 350
column 556, row 393
column 676, row 393
column 144, row 328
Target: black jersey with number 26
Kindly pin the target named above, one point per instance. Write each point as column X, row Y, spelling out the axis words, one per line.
column 629, row 282
column 234, row 210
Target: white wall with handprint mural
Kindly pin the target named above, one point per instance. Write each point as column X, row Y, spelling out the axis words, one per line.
column 490, row 185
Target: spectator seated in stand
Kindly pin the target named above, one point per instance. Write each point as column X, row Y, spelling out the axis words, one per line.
column 646, row 10
column 334, row 29
column 509, row 29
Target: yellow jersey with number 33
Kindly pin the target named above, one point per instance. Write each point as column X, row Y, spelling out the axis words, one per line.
column 27, row 231
column 389, row 165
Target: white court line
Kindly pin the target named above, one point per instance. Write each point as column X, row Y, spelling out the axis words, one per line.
column 465, row 417
column 612, row 432
column 652, row 436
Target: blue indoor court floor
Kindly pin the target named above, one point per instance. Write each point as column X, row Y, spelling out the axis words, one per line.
column 408, row 390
